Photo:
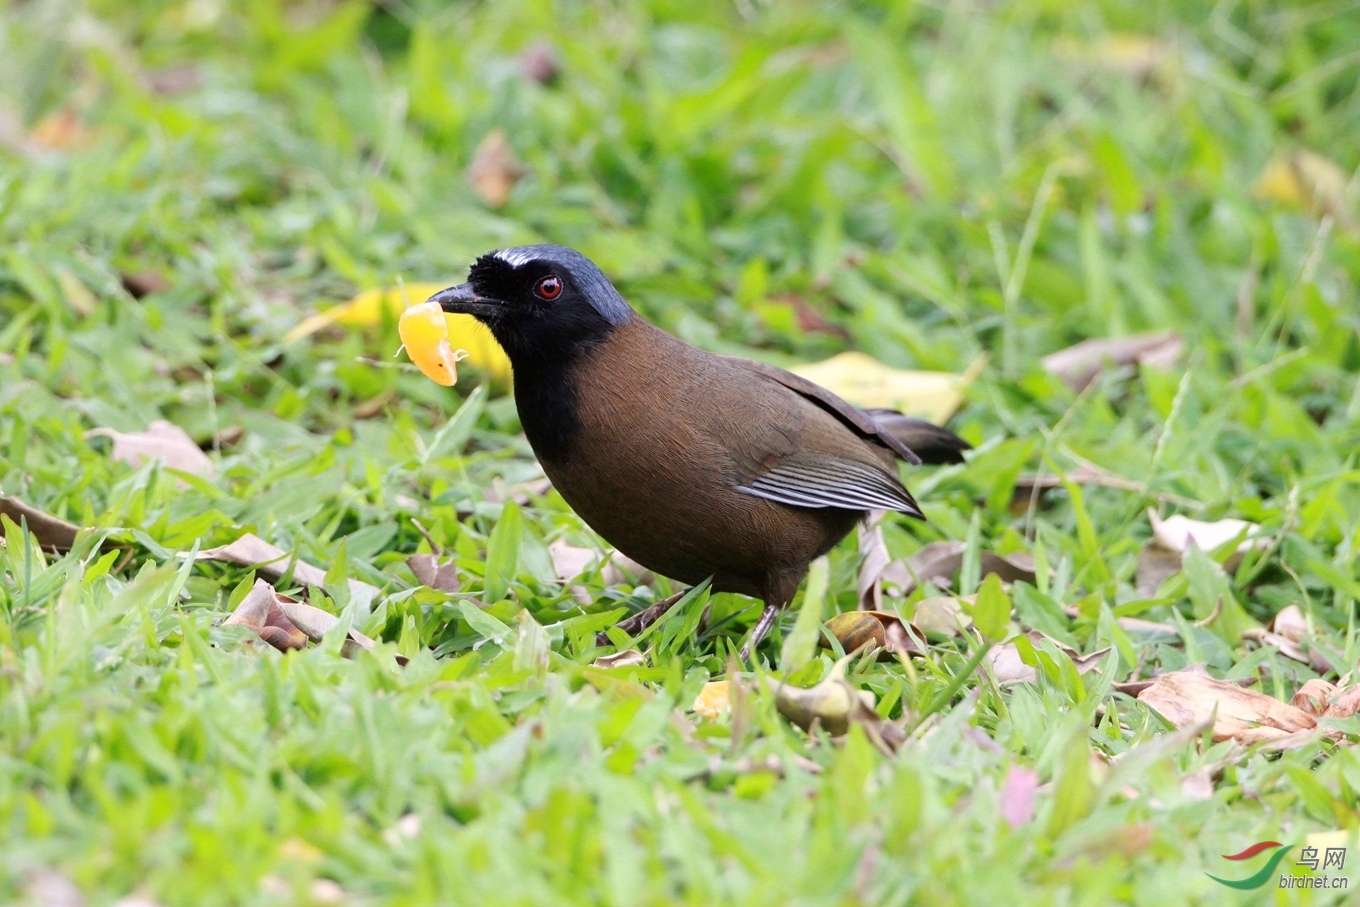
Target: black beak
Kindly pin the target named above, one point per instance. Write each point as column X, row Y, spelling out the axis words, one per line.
column 461, row 300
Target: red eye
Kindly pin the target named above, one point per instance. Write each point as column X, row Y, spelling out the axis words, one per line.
column 548, row 288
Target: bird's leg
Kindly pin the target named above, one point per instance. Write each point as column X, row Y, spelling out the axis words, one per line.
column 643, row 619
column 763, row 627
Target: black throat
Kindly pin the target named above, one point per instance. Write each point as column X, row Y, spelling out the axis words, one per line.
column 549, row 407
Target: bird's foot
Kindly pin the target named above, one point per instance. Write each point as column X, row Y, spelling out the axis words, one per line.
column 643, row 619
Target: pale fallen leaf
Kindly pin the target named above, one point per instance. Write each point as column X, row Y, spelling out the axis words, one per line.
column 626, row 658
column 942, row 615
column 1017, row 796
column 1184, row 698
column 273, row 562
column 162, row 440
column 494, row 169
column 1010, row 668
column 570, row 561
column 50, row 531
column 857, row 629
column 429, row 571
column 1178, row 533
column 1078, row 365
column 371, row 307
column 864, row 381
column 1307, row 180
column 713, row 700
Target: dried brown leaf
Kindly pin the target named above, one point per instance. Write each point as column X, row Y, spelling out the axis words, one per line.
column 143, row 283
column 429, row 571
column 50, row 531
column 1344, row 704
column 1185, row 698
column 261, row 611
column 1078, row 365
column 1314, row 696
column 162, row 440
column 1155, row 566
column 494, row 169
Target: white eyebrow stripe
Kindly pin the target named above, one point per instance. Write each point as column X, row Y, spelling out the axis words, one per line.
column 515, row 257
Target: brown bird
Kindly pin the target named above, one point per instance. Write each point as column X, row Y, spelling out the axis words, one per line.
column 695, row 465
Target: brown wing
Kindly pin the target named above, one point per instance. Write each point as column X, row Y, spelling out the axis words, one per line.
column 859, row 421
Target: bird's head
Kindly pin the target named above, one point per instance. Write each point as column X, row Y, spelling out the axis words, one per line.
column 539, row 301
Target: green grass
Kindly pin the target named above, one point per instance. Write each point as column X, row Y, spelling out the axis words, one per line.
column 937, row 182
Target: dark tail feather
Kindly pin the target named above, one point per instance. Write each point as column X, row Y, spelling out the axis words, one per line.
column 933, row 444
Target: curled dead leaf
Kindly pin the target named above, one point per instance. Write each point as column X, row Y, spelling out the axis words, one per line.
column 261, row 611
column 835, row 704
column 1079, row 364
column 627, row 658
column 162, row 440
column 886, row 632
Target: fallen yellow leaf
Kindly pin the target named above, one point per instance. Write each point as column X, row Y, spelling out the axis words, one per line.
column 370, row 307
column 864, row 381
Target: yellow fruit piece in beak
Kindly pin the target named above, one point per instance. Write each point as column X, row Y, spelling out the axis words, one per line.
column 425, row 336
